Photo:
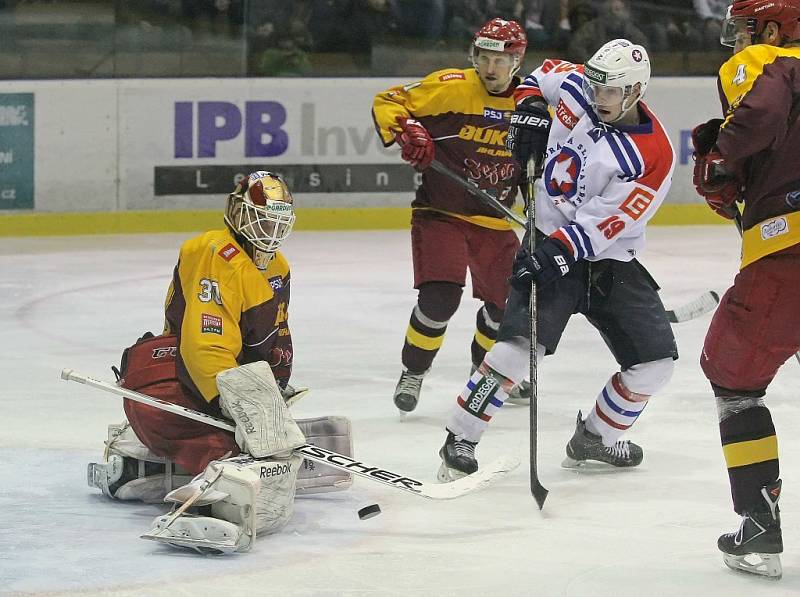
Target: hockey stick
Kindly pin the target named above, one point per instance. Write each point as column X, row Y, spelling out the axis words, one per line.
column 479, row 193
column 537, row 489
column 433, row 491
column 703, row 304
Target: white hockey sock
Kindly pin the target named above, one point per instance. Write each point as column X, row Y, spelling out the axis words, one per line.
column 613, row 412
column 481, row 398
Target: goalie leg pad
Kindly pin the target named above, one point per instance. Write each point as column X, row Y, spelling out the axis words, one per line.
column 246, row 496
column 130, row 471
column 249, row 395
column 331, row 433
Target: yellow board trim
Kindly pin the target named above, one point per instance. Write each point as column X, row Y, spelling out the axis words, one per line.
column 770, row 236
column 483, row 341
column 20, row 223
column 751, row 452
column 422, row 341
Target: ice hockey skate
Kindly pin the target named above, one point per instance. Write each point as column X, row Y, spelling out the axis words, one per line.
column 585, row 446
column 458, row 459
column 756, row 546
column 406, row 394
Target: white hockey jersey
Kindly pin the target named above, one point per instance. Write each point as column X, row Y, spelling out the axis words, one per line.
column 601, row 183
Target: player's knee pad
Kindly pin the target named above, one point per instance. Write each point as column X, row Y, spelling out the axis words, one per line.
column 130, row 471
column 645, row 379
column 246, row 496
column 511, row 358
column 438, row 301
column 331, row 433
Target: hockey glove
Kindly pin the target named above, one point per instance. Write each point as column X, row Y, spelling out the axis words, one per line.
column 549, row 262
column 415, row 143
column 713, row 182
column 529, row 130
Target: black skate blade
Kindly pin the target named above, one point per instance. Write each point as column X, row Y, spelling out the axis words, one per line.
column 767, row 565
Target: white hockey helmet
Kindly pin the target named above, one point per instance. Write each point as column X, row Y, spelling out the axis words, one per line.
column 260, row 212
column 614, row 71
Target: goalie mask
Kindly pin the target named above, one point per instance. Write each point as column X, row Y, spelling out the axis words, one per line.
column 616, row 78
column 260, row 213
column 746, row 20
column 501, row 44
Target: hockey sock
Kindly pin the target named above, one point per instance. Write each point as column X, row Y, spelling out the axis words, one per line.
column 486, row 325
column 614, row 411
column 481, row 398
column 424, row 338
column 436, row 304
column 751, row 453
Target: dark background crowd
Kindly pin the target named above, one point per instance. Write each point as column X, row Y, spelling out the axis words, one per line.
column 336, row 37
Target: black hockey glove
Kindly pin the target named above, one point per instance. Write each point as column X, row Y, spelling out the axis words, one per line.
column 549, row 262
column 529, row 130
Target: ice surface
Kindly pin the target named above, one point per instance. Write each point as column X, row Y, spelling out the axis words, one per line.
column 77, row 302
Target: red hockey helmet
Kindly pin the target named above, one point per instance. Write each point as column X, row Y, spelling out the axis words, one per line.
column 752, row 16
column 501, row 36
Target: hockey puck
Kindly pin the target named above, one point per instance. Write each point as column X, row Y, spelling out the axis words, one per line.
column 369, row 511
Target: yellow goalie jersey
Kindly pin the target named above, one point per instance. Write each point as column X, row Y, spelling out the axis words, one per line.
column 469, row 126
column 226, row 312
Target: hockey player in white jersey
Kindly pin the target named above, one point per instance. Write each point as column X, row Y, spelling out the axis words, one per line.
column 606, row 166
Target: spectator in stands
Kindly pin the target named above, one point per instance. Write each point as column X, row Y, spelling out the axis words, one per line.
column 668, row 24
column 712, row 13
column 546, row 23
column 278, row 39
column 464, row 18
column 347, row 25
column 420, row 19
column 613, row 22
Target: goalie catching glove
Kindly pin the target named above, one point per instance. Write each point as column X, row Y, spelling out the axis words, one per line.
column 549, row 262
column 713, row 182
column 415, row 143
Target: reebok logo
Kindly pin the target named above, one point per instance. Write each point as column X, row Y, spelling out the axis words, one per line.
column 242, row 418
column 275, row 471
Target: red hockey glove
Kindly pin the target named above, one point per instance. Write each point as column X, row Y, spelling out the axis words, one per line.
column 415, row 142
column 713, row 182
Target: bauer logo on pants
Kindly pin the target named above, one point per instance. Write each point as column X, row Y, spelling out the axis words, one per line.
column 211, row 324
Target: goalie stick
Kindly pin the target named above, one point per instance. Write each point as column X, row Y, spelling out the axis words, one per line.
column 703, row 304
column 434, row 491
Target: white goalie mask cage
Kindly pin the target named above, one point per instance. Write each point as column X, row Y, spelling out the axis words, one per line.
column 261, row 210
column 611, row 75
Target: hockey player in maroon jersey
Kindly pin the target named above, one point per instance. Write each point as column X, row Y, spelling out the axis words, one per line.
column 750, row 156
column 460, row 116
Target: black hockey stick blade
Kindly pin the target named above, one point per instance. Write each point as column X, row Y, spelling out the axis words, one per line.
column 539, row 493
column 703, row 304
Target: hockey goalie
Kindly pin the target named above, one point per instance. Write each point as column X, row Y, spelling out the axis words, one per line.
column 226, row 351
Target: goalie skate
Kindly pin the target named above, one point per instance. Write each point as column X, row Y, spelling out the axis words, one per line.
column 201, row 534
